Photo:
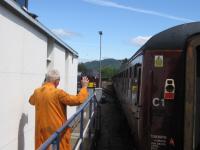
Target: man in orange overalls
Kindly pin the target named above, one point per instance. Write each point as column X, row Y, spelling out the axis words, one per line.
column 50, row 108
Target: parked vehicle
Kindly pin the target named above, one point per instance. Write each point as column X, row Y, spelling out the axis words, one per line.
column 93, row 79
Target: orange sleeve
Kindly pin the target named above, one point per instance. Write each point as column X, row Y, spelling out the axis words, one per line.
column 32, row 99
column 73, row 100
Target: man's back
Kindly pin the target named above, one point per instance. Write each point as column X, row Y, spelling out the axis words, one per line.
column 50, row 112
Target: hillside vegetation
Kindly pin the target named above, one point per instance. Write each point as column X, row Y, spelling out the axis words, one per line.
column 109, row 67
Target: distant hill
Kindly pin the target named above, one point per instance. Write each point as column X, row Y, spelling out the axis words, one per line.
column 109, row 67
column 94, row 65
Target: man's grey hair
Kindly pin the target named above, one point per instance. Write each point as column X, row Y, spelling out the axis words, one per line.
column 52, row 75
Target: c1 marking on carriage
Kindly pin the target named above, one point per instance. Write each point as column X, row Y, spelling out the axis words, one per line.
column 158, row 102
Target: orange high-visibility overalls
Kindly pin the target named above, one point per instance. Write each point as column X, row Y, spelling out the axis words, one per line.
column 50, row 112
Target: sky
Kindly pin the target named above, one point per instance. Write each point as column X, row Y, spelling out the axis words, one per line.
column 126, row 24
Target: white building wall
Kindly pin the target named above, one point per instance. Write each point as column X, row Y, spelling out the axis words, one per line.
column 23, row 64
column 71, row 64
column 59, row 63
column 23, row 57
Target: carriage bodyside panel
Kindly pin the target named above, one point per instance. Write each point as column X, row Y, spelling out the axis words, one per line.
column 161, row 120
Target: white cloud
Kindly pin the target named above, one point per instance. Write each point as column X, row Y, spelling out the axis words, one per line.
column 149, row 12
column 64, row 33
column 140, row 40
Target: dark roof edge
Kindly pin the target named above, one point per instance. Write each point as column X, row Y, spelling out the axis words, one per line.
column 172, row 38
column 12, row 5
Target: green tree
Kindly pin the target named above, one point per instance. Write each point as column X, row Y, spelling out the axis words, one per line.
column 82, row 67
column 125, row 60
column 108, row 72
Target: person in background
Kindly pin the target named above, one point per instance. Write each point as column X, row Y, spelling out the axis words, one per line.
column 50, row 108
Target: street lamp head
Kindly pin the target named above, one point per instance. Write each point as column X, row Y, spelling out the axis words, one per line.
column 100, row 32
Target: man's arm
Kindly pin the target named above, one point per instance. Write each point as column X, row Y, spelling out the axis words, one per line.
column 73, row 100
column 78, row 99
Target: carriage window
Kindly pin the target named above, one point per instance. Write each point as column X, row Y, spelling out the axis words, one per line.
column 124, row 75
column 130, row 72
column 135, row 71
column 139, row 80
column 137, row 65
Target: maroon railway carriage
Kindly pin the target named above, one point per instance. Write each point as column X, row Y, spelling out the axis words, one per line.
column 159, row 90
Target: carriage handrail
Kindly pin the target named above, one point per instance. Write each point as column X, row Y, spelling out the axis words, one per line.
column 54, row 138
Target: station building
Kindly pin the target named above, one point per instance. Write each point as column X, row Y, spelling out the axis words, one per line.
column 27, row 51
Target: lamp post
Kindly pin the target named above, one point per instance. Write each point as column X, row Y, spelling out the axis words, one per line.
column 100, row 33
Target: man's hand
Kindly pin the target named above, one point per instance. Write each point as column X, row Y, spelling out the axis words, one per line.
column 84, row 82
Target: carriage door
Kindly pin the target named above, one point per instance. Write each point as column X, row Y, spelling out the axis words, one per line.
column 192, row 97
